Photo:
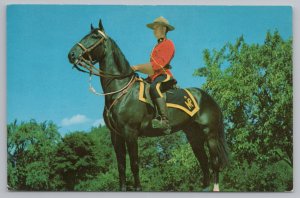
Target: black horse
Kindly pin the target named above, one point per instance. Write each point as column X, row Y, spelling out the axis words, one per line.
column 128, row 118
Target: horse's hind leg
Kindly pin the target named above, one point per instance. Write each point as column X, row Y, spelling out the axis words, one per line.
column 196, row 140
column 213, row 151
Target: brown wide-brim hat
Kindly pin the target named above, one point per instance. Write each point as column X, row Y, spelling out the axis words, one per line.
column 161, row 21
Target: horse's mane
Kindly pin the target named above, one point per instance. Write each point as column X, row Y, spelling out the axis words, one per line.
column 112, row 49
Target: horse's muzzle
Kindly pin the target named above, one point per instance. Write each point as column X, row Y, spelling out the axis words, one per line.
column 72, row 58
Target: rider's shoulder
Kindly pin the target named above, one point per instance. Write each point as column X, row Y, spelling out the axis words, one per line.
column 169, row 42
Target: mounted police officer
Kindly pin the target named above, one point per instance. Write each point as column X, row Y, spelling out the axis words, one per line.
column 158, row 70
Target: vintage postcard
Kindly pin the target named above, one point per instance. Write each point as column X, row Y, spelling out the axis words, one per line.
column 166, row 98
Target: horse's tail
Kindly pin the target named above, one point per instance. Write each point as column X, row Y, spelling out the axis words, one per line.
column 219, row 132
column 222, row 147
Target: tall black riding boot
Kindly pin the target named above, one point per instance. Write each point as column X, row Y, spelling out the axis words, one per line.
column 162, row 121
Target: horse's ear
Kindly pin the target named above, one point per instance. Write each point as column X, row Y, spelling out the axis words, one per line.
column 92, row 27
column 101, row 26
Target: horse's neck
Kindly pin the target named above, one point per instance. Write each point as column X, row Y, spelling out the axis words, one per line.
column 114, row 63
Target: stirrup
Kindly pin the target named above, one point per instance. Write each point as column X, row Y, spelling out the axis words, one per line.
column 157, row 123
column 161, row 124
column 167, row 131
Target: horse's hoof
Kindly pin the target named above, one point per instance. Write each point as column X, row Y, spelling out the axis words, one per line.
column 138, row 189
column 206, row 189
column 216, row 188
column 123, row 189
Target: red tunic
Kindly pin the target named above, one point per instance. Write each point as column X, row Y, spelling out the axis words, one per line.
column 161, row 56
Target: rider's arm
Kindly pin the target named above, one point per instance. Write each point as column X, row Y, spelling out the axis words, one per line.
column 144, row 68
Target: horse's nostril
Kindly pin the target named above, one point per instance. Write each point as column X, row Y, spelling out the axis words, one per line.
column 71, row 57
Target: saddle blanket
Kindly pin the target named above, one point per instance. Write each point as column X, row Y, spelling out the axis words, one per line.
column 176, row 98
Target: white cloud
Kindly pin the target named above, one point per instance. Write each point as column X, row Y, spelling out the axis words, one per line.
column 76, row 119
column 98, row 122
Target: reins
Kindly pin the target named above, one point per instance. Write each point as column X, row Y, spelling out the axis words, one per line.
column 92, row 70
column 92, row 89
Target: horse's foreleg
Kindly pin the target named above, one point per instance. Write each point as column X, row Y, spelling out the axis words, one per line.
column 120, row 149
column 132, row 146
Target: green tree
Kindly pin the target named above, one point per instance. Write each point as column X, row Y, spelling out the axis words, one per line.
column 103, row 147
column 253, row 85
column 76, row 159
column 106, row 178
column 168, row 164
column 31, row 147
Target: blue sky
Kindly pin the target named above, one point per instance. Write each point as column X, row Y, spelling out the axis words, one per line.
column 41, row 84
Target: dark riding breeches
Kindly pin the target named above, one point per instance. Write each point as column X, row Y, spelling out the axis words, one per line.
column 159, row 85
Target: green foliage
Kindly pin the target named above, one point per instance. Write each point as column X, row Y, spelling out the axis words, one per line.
column 245, row 177
column 160, row 171
column 103, row 148
column 76, row 159
column 107, row 181
column 184, row 173
column 86, row 162
column 31, row 147
column 253, row 86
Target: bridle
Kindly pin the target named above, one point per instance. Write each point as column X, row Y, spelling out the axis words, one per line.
column 88, row 64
